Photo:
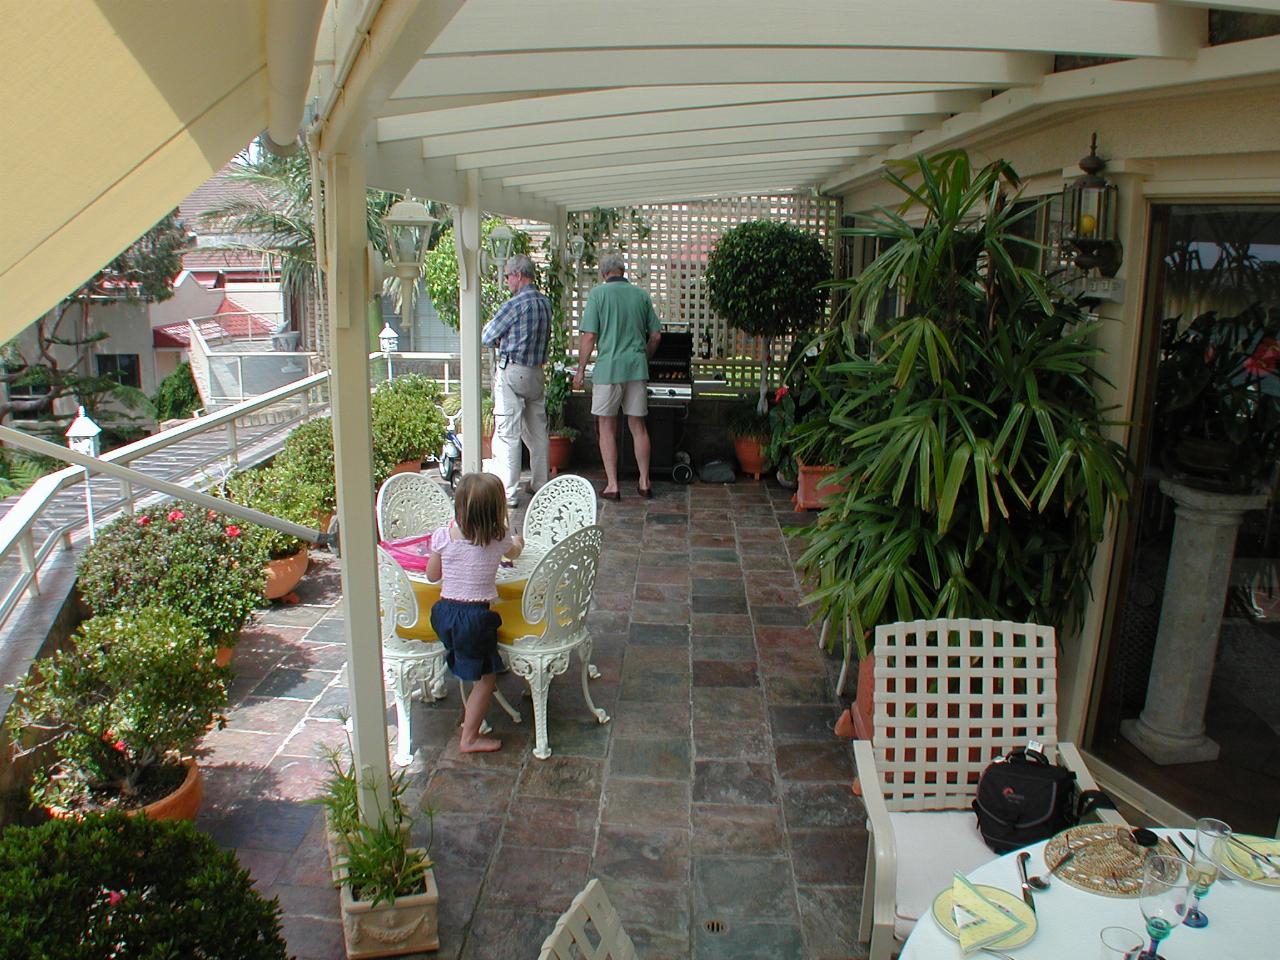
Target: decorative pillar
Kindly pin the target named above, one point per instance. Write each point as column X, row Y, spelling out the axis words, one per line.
column 1171, row 726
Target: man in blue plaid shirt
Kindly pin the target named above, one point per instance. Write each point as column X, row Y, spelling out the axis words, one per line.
column 519, row 330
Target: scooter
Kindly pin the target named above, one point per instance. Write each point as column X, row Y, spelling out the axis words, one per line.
column 451, row 451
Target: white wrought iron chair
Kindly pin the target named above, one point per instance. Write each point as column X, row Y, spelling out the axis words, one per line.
column 589, row 930
column 410, row 504
column 562, row 505
column 412, row 658
column 538, row 638
column 950, row 696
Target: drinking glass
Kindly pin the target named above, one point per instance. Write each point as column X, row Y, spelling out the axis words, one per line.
column 1210, row 835
column 1120, row 943
column 1166, row 893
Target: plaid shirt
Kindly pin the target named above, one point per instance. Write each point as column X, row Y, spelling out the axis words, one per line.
column 520, row 328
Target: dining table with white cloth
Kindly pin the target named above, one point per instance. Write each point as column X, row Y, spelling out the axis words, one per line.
column 1244, row 919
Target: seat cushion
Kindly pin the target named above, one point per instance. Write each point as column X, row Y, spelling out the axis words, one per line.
column 513, row 623
column 933, row 846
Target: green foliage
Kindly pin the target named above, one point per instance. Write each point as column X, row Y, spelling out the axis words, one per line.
column 276, row 491
column 177, row 397
column 133, row 693
column 453, row 403
column 19, row 471
column 442, row 274
column 180, row 557
column 559, row 374
column 972, row 445
column 307, row 458
column 764, row 277
column 129, row 888
column 747, row 422
column 408, row 423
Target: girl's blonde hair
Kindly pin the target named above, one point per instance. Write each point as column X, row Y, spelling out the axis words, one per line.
column 480, row 508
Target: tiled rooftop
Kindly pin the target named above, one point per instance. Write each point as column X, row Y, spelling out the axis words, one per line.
column 717, row 793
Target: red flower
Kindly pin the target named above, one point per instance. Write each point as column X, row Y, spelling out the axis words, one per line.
column 1263, row 361
column 176, row 515
column 779, row 394
column 143, row 521
column 118, row 746
column 114, row 897
column 233, row 531
column 212, row 515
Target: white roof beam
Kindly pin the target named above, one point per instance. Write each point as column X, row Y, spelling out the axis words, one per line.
column 1096, row 27
column 869, row 99
column 790, row 178
column 890, row 131
column 564, row 70
column 680, row 194
column 832, row 156
column 792, row 171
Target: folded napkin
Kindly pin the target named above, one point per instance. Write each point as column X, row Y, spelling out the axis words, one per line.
column 979, row 922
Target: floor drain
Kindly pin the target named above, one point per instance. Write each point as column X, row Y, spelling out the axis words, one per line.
column 714, row 926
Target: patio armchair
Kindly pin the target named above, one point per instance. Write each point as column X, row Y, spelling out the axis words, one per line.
column 562, row 505
column 589, row 930
column 410, row 504
column 538, row 637
column 950, row 697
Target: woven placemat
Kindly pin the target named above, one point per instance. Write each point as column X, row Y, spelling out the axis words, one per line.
column 1106, row 861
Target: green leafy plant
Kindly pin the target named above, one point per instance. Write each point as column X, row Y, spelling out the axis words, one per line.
column 978, row 471
column 307, row 458
column 19, row 471
column 129, row 887
column 559, row 388
column 278, row 492
column 452, row 405
column 408, row 423
column 180, row 557
column 177, row 397
column 748, row 422
column 766, row 279
column 119, row 709
column 441, row 274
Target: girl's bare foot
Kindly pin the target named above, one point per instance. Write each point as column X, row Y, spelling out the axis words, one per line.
column 480, row 745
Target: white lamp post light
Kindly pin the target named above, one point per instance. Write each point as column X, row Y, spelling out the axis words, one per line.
column 82, row 437
column 501, row 240
column 389, row 341
column 408, row 226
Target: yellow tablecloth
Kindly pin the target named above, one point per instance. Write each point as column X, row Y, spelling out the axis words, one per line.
column 511, row 582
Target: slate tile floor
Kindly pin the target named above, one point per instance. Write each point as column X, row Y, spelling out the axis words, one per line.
column 715, row 806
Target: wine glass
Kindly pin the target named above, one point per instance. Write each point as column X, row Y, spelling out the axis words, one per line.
column 1166, row 893
column 1210, row 835
column 1120, row 943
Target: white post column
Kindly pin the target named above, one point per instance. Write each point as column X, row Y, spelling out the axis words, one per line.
column 1171, row 727
column 353, row 460
column 467, row 243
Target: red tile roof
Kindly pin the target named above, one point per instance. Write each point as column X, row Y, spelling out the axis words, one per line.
column 232, row 320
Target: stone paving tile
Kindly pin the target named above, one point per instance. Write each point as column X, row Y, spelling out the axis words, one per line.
column 556, row 824
column 821, row 805
column 294, row 778
column 560, row 777
column 469, row 790
column 459, row 840
column 742, row 889
column 750, row 941
column 650, row 759
column 718, row 647
column 312, row 939
column 725, row 673
column 659, row 634
column 260, row 714
column 829, row 919
column 328, row 630
column 265, row 825
column 507, row 934
column 705, row 570
column 718, row 587
column 662, row 592
column 733, row 782
column 646, row 803
column 722, row 604
column 723, row 623
column 654, row 720
column 303, row 615
column 743, row 831
column 535, row 879
column 803, row 722
column 231, row 747
column 827, row 760
column 317, row 656
column 804, row 688
column 294, row 683
column 642, row 856
column 644, row 612
column 312, row 736
column 828, row 856
column 655, row 907
column 662, row 574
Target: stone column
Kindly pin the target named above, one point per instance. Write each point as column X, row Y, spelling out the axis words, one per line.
column 1171, row 727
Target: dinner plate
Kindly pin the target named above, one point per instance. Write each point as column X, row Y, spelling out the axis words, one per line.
column 1010, row 903
column 1239, row 864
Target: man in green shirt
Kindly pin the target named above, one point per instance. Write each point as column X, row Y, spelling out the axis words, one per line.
column 621, row 321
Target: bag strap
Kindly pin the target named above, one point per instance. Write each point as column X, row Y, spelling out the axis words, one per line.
column 1023, row 755
column 1091, row 800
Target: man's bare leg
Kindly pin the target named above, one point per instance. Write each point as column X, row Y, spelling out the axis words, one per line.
column 477, row 706
column 607, row 428
column 640, row 440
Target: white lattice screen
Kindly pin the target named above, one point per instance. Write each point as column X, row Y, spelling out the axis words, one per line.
column 671, row 262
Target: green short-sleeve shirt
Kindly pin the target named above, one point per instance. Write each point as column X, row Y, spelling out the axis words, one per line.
column 622, row 318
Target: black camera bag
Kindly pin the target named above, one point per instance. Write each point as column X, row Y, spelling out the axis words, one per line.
column 1023, row 798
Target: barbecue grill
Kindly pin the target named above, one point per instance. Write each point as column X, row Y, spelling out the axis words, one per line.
column 671, row 371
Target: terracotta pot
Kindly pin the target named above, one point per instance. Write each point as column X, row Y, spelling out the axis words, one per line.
column 808, row 496
column 283, row 574
column 486, row 446
column 184, row 802
column 405, row 925
column 750, row 453
column 407, row 466
column 224, row 656
column 559, row 452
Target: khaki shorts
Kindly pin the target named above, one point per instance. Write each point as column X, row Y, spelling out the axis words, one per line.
column 607, row 398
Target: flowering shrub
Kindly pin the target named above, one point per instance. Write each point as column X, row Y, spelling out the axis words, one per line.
column 275, row 491
column 180, row 557
column 119, row 708
column 119, row 886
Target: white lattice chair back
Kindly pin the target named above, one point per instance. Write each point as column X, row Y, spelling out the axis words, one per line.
column 950, row 696
column 589, row 930
column 562, row 505
column 410, row 504
column 558, row 593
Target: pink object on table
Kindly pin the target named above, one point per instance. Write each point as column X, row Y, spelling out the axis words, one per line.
column 411, row 553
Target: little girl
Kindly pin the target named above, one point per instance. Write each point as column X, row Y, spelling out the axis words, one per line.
column 464, row 556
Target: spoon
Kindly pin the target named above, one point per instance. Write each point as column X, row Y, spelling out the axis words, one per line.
column 1042, row 881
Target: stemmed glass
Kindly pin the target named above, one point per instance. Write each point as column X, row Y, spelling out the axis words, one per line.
column 1166, row 892
column 1210, row 835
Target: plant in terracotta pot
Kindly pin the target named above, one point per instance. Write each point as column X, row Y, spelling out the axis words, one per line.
column 766, row 279
column 408, row 424
column 117, row 886
column 307, row 459
column 560, row 437
column 119, row 711
column 276, row 491
column 180, row 557
column 750, row 431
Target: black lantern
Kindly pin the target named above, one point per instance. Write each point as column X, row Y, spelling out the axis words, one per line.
column 1089, row 217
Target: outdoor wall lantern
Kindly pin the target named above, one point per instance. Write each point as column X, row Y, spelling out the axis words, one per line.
column 1089, row 218
column 501, row 240
column 577, row 247
column 408, row 226
column 389, row 341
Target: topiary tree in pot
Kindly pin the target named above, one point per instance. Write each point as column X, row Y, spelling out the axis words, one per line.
column 765, row 278
column 975, row 453
column 408, row 423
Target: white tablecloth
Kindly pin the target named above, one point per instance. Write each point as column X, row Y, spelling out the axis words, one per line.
column 1244, row 921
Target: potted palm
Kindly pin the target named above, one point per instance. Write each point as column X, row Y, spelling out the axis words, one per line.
column 118, row 714
column 973, row 447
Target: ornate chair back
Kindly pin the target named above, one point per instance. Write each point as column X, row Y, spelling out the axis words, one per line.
column 396, row 601
column 558, row 594
column 562, row 505
column 410, row 504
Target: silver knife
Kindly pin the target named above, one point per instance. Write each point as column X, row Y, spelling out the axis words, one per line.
column 1026, row 887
